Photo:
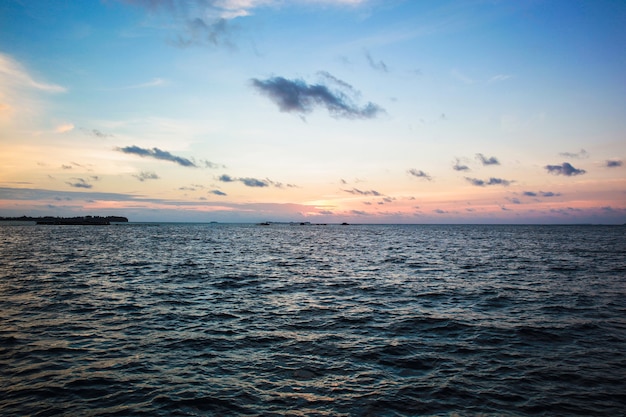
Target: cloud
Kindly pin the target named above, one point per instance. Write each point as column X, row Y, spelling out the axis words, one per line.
column 97, row 133
column 157, row 153
column 202, row 31
column 299, row 97
column 145, row 175
column 564, row 169
column 582, row 154
column 540, row 194
column 356, row 191
column 419, row 174
column 459, row 167
column 253, row 182
column 487, row 161
column 79, row 183
column 491, row 181
column 378, row 66
column 499, row 77
column 217, row 192
column 226, row 178
column 63, row 128
column 155, row 82
column 613, row 164
column 209, row 164
column 13, row 74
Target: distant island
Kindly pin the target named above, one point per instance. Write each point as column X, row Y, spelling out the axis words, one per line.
column 81, row 220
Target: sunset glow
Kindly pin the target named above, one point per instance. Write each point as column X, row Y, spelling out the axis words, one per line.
column 363, row 111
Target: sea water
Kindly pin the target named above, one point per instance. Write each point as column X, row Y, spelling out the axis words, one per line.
column 313, row 320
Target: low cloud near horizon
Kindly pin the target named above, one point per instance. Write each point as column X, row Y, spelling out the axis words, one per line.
column 564, row 169
column 491, row 181
column 157, row 153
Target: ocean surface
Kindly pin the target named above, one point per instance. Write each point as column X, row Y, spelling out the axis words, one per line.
column 291, row 320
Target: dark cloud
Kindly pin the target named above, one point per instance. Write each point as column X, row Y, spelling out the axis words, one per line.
column 356, row 191
column 145, row 175
column 459, row 167
column 226, row 178
column 157, row 153
column 217, row 192
column 540, row 194
column 66, row 166
column 378, row 66
column 254, row 182
column 79, row 183
column 564, row 169
column 613, row 164
column 299, row 97
column 419, row 174
column 491, row 181
column 440, row 211
column 487, row 161
column 359, row 212
column 582, row 154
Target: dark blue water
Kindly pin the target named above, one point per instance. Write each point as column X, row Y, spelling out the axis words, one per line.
column 218, row 320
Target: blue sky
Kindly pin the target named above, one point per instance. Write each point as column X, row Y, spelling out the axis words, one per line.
column 326, row 111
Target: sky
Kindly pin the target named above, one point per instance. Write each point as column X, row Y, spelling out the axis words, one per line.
column 327, row 111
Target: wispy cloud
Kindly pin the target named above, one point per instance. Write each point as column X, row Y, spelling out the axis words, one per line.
column 210, row 22
column 613, row 163
column 487, row 161
column 499, row 78
column 296, row 96
column 564, row 169
column 540, row 194
column 458, row 166
column 419, row 174
column 146, row 175
column 253, row 182
column 14, row 75
column 217, row 192
column 97, row 133
column 582, row 154
column 491, row 181
column 64, row 128
column 356, row 191
column 79, row 183
column 157, row 153
column 155, row 82
column 378, row 66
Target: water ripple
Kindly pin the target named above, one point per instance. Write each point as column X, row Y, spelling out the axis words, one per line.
column 188, row 320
